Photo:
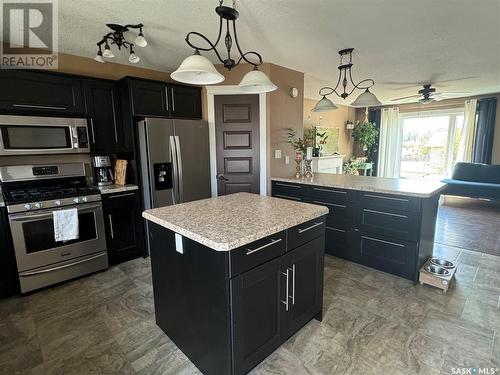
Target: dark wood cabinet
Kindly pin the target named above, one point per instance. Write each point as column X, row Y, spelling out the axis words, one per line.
column 102, row 106
column 238, row 305
column 9, row 281
column 124, row 227
column 391, row 232
column 40, row 93
column 185, row 102
column 256, row 297
column 153, row 98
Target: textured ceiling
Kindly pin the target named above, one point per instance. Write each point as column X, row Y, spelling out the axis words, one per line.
column 454, row 44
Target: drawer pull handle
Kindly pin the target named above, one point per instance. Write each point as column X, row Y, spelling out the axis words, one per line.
column 330, row 204
column 387, row 242
column 287, row 185
column 285, row 302
column 121, row 195
column 388, row 198
column 311, row 227
column 287, row 197
column 331, row 191
column 39, row 106
column 251, row 251
column 336, row 229
column 385, row 213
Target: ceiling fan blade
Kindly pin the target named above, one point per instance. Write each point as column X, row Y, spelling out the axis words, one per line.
column 406, row 97
column 451, row 93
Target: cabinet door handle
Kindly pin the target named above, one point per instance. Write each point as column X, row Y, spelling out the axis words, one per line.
column 336, row 229
column 39, row 106
column 331, row 191
column 111, row 227
column 293, row 284
column 385, row 213
column 173, row 98
column 310, row 227
column 382, row 241
column 287, row 274
column 121, row 195
column 287, row 197
column 387, row 198
column 92, row 129
column 251, row 251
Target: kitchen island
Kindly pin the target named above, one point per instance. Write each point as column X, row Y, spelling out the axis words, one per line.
column 235, row 276
column 384, row 223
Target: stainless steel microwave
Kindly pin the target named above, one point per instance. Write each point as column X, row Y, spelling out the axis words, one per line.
column 28, row 135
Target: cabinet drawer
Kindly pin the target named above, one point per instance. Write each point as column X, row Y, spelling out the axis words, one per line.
column 256, row 253
column 288, row 190
column 332, row 195
column 339, row 212
column 390, row 223
column 394, row 202
column 393, row 256
column 305, row 232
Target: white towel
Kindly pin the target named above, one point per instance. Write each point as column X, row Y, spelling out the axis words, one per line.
column 65, row 224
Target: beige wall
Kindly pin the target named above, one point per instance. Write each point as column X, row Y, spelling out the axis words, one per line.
column 333, row 119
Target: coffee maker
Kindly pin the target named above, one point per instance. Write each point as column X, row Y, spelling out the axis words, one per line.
column 103, row 173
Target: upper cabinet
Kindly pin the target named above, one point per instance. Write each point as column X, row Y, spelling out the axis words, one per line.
column 102, row 106
column 40, row 93
column 151, row 98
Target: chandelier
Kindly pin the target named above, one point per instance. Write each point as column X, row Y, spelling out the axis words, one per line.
column 366, row 99
column 117, row 38
column 197, row 69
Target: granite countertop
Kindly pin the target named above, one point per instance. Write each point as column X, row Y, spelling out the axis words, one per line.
column 228, row 222
column 110, row 189
column 398, row 186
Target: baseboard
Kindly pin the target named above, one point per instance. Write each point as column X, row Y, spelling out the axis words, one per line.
column 457, row 201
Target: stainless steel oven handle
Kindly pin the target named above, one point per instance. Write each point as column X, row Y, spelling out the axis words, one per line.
column 24, row 216
column 32, row 273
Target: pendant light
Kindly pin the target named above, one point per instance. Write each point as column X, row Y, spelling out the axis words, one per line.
column 116, row 37
column 199, row 70
column 366, row 99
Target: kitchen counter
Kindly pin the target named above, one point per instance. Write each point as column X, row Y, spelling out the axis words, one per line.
column 222, row 266
column 398, row 186
column 111, row 189
column 227, row 222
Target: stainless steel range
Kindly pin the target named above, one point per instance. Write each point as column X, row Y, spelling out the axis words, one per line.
column 32, row 194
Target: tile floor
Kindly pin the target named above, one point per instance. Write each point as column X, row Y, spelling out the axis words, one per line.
column 374, row 323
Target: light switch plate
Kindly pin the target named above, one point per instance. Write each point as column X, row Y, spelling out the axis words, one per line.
column 178, row 244
column 287, row 159
column 277, row 154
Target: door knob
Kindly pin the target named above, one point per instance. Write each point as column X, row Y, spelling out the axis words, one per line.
column 222, row 178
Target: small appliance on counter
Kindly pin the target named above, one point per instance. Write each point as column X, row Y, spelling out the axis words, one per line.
column 103, row 172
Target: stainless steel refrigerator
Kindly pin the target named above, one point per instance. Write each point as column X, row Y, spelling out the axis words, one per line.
column 175, row 161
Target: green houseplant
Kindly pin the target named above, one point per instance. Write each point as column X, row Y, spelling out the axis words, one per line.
column 365, row 134
column 353, row 165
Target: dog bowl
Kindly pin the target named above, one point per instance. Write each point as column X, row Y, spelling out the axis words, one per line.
column 442, row 263
column 436, row 270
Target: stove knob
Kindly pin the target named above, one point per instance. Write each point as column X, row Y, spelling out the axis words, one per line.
column 38, row 205
column 57, row 203
column 27, row 206
column 76, row 200
column 84, row 199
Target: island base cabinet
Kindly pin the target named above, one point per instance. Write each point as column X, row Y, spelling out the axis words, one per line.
column 226, row 323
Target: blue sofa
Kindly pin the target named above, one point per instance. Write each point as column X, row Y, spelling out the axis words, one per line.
column 474, row 180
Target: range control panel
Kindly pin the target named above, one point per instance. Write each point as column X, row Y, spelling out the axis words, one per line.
column 45, row 170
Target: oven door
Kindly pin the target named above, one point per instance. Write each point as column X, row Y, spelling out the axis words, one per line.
column 26, row 135
column 34, row 243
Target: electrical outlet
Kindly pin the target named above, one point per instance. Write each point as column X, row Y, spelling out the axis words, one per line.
column 277, row 154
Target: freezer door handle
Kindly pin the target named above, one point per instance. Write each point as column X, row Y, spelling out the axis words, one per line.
column 180, row 187
column 175, row 183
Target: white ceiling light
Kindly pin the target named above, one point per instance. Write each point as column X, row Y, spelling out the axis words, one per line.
column 366, row 99
column 202, row 72
column 324, row 105
column 98, row 57
column 197, row 70
column 140, row 41
column 255, row 82
column 107, row 52
column 117, row 37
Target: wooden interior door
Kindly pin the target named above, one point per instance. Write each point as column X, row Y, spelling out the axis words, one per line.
column 237, row 132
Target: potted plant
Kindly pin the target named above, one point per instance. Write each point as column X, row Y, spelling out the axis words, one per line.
column 299, row 144
column 353, row 165
column 365, row 134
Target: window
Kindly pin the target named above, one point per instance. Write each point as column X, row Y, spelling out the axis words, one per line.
column 430, row 143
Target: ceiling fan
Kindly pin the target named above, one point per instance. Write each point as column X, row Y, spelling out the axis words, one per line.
column 428, row 94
